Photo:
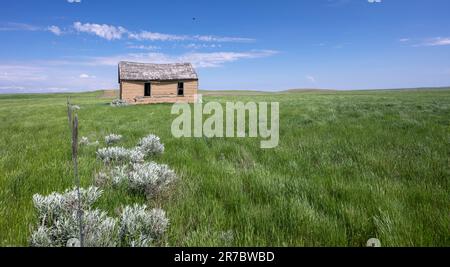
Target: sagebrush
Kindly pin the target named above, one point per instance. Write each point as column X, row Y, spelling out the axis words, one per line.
column 57, row 213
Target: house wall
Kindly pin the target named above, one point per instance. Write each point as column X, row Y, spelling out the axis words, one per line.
column 162, row 92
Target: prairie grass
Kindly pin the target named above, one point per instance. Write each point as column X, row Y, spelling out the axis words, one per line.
column 350, row 166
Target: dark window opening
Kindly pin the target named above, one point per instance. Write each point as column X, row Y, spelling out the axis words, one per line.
column 180, row 88
column 148, row 89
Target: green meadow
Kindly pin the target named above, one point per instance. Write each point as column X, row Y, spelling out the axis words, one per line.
column 350, row 166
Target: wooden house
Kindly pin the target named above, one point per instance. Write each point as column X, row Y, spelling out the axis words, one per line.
column 143, row 83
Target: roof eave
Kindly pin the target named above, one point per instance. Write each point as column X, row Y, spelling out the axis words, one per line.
column 157, row 80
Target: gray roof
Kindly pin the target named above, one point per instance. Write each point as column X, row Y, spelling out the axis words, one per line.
column 150, row 72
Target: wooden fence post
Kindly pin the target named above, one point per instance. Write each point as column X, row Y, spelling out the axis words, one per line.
column 69, row 113
column 77, row 178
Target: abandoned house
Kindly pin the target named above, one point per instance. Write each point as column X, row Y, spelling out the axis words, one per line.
column 143, row 83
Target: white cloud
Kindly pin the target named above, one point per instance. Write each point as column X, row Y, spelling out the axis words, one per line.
column 199, row 60
column 102, row 30
column 21, row 90
column 155, row 36
column 12, row 88
column 216, row 59
column 210, row 38
column 87, row 76
column 374, row 1
column 111, row 32
column 14, row 73
column 438, row 41
column 311, row 78
column 55, row 30
column 404, row 40
column 144, row 47
column 76, row 73
column 74, row 1
column 13, row 26
column 42, row 76
column 199, row 46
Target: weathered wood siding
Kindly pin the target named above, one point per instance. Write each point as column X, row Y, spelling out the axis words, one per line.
column 162, row 92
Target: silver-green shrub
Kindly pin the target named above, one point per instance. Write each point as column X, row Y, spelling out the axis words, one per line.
column 113, row 154
column 119, row 103
column 119, row 174
column 136, row 155
column 112, row 138
column 99, row 229
column 151, row 145
column 120, row 155
column 140, row 227
column 58, row 222
column 42, row 237
column 151, row 178
column 84, row 141
column 55, row 205
column 101, row 179
column 112, row 176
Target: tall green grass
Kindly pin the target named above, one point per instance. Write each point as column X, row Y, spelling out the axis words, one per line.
column 349, row 166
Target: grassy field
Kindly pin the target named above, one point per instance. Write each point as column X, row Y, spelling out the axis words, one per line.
column 350, row 166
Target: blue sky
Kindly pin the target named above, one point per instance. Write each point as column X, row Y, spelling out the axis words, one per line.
column 75, row 45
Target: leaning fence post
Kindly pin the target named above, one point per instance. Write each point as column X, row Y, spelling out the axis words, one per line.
column 77, row 178
column 69, row 112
